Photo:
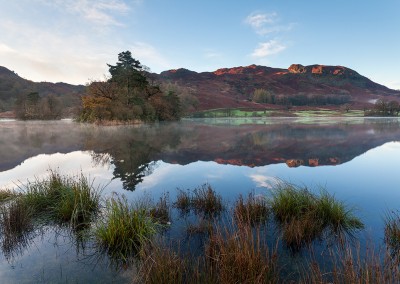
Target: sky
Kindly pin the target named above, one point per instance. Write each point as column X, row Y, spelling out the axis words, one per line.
column 73, row 40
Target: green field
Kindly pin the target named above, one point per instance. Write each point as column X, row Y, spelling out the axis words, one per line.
column 247, row 113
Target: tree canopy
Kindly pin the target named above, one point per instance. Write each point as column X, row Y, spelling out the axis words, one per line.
column 33, row 106
column 127, row 95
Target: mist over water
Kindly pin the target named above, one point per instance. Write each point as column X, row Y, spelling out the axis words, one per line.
column 355, row 159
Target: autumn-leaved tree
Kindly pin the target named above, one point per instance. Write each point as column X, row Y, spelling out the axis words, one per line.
column 127, row 95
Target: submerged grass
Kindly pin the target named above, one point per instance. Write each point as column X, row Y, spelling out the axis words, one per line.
column 124, row 229
column 304, row 216
column 392, row 232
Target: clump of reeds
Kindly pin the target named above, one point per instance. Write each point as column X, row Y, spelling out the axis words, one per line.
column 254, row 210
column 124, row 229
column 241, row 255
column 63, row 199
column 161, row 264
column 160, row 211
column 206, row 200
column 183, row 201
column 305, row 216
column 392, row 232
column 203, row 200
column 16, row 223
column 348, row 266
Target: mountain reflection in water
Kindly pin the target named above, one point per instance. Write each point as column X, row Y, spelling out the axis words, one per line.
column 134, row 150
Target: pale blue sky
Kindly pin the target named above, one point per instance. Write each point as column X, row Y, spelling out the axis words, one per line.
column 72, row 40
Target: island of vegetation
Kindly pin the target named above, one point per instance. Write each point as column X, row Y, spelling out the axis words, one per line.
column 128, row 96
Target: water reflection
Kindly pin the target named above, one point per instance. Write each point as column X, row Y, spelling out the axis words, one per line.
column 132, row 151
column 234, row 156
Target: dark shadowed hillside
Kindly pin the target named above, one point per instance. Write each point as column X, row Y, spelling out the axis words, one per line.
column 12, row 86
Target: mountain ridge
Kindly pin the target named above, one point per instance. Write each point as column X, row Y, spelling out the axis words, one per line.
column 229, row 87
column 233, row 87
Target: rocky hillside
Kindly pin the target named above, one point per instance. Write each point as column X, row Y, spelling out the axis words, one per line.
column 232, row 87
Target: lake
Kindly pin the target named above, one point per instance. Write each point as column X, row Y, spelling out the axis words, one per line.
column 355, row 159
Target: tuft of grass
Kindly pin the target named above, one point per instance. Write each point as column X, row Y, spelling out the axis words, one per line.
column 183, row 201
column 392, row 232
column 162, row 265
column 305, row 216
column 241, row 255
column 160, row 212
column 252, row 211
column 124, row 229
column 206, row 200
column 63, row 199
column 6, row 194
column 16, row 223
column 335, row 215
column 229, row 256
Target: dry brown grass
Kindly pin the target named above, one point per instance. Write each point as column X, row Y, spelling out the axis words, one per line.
column 160, row 212
column 241, row 256
column 183, row 201
column 254, row 210
column 350, row 267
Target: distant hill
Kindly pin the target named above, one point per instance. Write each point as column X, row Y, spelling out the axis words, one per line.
column 12, row 85
column 227, row 87
column 232, row 87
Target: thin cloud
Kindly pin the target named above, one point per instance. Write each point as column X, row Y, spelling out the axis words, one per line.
column 99, row 12
column 257, row 20
column 268, row 48
column 267, row 23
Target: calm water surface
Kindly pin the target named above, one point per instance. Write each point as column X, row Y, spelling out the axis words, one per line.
column 354, row 158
